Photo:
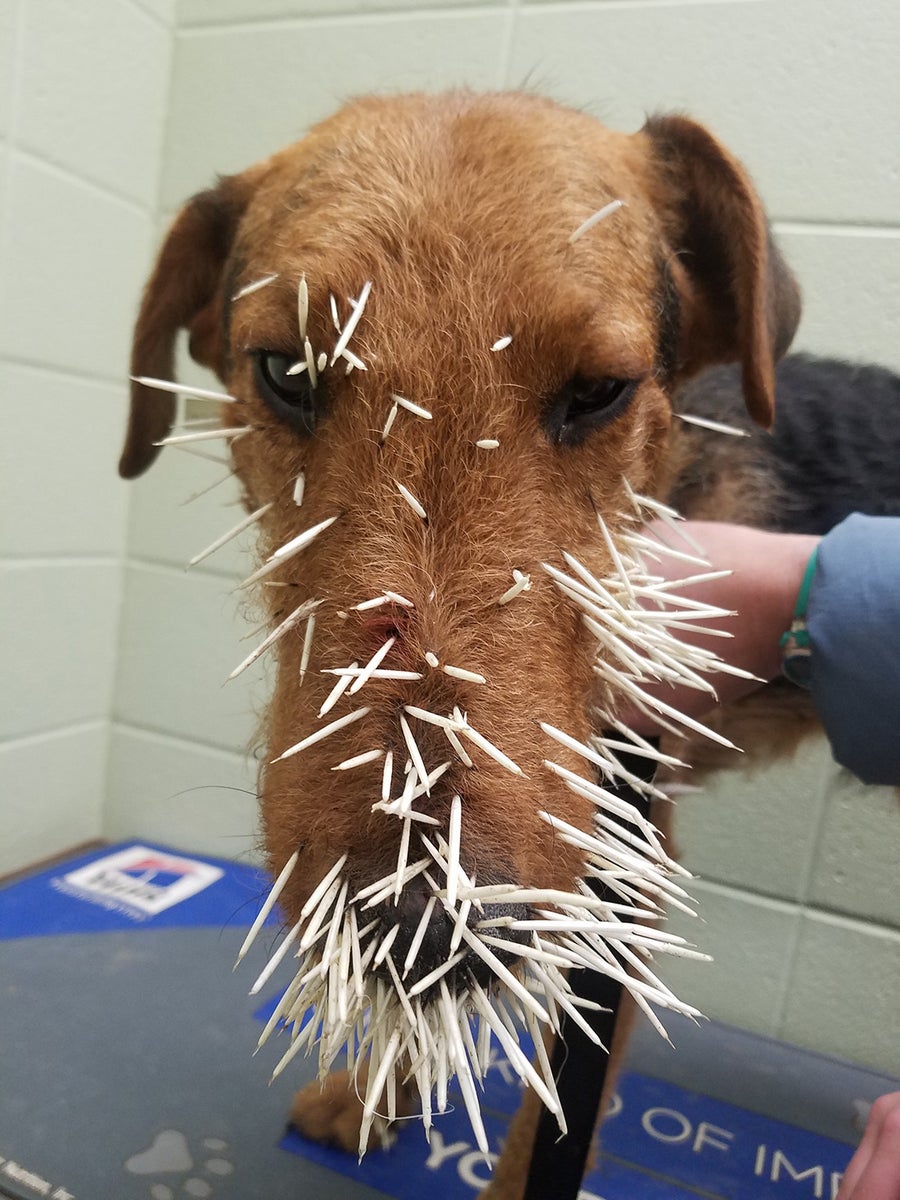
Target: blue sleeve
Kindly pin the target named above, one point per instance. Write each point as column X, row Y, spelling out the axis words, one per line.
column 853, row 619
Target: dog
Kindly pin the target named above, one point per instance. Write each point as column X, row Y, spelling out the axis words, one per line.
column 454, row 332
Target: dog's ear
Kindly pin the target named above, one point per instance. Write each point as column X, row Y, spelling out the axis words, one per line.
column 739, row 298
column 184, row 292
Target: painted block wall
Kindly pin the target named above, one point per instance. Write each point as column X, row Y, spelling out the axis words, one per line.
column 797, row 866
column 82, row 97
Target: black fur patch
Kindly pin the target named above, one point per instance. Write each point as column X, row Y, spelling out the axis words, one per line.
column 834, row 448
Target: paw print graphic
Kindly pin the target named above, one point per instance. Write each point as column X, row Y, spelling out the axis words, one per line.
column 169, row 1155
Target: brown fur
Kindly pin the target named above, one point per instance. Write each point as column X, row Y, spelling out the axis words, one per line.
column 459, row 208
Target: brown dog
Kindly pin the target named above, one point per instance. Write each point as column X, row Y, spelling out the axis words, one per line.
column 534, row 360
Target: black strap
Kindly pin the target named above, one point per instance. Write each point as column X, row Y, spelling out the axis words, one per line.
column 579, row 1066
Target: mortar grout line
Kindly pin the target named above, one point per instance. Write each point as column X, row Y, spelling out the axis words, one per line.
column 553, row 7
column 67, row 175
column 383, row 16
column 860, row 229
column 52, row 731
column 195, row 743
column 32, row 561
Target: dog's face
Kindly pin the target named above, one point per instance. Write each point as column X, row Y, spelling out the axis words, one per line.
column 541, row 369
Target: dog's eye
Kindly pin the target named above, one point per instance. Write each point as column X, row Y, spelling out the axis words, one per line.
column 289, row 393
column 583, row 405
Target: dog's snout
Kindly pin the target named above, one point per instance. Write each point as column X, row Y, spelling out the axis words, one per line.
column 423, row 943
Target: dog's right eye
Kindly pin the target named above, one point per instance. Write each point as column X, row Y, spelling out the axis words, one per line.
column 584, row 405
column 291, row 396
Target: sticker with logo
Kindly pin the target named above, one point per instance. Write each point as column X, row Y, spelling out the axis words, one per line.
column 140, row 882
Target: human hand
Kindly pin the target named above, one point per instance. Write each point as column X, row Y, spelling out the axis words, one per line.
column 874, row 1170
column 766, row 573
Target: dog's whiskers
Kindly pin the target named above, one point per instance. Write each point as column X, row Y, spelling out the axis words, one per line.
column 216, row 483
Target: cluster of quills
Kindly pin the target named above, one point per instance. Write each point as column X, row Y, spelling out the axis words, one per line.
column 353, row 993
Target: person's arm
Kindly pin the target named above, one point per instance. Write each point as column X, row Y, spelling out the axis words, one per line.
column 767, row 571
column 853, row 621
column 854, row 629
column 874, row 1170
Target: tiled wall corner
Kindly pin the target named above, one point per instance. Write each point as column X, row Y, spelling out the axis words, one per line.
column 182, row 794
column 216, row 12
column 82, row 91
column 52, row 786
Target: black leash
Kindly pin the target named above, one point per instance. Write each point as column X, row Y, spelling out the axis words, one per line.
column 579, row 1066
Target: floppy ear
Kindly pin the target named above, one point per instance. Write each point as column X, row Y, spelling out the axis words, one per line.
column 184, row 292
column 739, row 298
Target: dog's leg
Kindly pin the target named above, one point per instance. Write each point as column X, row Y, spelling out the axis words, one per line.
column 331, row 1113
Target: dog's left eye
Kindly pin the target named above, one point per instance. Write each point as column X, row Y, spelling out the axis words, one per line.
column 583, row 405
column 290, row 394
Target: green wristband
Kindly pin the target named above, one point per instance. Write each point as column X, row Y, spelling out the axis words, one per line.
column 796, row 647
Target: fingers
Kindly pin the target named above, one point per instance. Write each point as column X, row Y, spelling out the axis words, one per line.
column 874, row 1170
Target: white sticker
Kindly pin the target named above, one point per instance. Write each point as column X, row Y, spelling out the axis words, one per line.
column 140, row 878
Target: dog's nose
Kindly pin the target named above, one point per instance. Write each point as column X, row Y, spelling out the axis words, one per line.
column 421, row 945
